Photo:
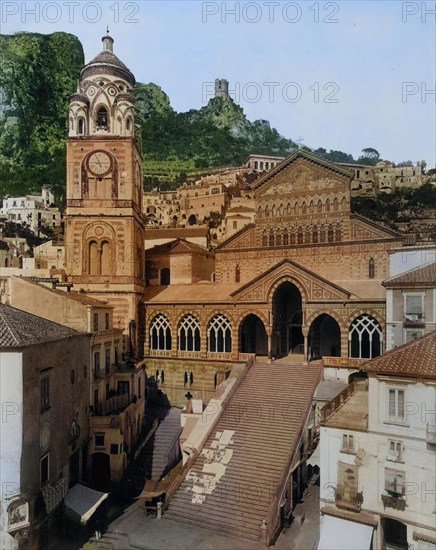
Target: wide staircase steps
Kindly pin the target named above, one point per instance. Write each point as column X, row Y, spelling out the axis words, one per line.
column 232, row 483
column 159, row 449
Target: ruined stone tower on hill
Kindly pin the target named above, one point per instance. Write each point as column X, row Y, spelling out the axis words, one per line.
column 221, row 88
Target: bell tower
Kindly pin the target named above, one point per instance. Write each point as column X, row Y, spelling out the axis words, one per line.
column 104, row 232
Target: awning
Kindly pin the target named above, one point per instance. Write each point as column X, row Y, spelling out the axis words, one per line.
column 340, row 534
column 81, row 502
column 315, row 458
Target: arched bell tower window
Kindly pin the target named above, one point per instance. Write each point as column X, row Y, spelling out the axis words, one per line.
column 128, row 124
column 81, row 126
column 102, row 118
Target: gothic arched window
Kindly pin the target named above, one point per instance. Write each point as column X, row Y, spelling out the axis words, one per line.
column 94, row 258
column 327, row 205
column 285, row 237
column 278, row 239
column 189, row 334
column 365, row 337
column 338, row 232
column 322, row 234
column 81, row 126
column 315, row 234
column 264, row 239
column 330, row 234
column 271, row 238
column 237, row 274
column 319, row 206
column 303, row 208
column 160, row 333
column 371, row 268
column 300, row 235
column 219, row 334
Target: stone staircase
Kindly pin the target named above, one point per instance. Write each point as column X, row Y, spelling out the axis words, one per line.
column 164, row 443
column 232, row 483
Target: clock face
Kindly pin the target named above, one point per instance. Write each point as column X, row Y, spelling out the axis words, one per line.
column 100, row 163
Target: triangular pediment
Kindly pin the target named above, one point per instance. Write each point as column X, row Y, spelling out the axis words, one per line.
column 313, row 287
column 245, row 238
column 363, row 229
column 303, row 173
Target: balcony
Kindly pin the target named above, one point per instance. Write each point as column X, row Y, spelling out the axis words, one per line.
column 113, row 405
column 431, row 434
column 414, row 320
column 349, row 409
column 394, row 501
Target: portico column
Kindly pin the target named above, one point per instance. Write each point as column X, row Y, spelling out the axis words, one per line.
column 305, row 332
column 268, row 331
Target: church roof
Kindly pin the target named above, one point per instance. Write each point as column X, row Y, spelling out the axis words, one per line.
column 416, row 359
column 21, row 329
column 419, row 276
column 305, row 155
column 178, row 246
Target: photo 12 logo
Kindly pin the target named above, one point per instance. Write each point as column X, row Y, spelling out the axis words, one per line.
column 69, row 12
column 269, row 12
column 253, row 92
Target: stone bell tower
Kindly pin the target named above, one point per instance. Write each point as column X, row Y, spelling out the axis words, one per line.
column 104, row 221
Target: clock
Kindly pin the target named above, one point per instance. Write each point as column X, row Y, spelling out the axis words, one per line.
column 100, row 164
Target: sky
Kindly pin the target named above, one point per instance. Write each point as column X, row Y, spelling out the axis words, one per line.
column 343, row 75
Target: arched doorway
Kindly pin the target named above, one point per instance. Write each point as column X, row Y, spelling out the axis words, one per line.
column 252, row 336
column 358, row 376
column 324, row 337
column 287, row 321
column 100, row 470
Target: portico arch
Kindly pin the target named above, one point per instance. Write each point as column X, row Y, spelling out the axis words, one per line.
column 252, row 336
column 324, row 337
column 287, row 311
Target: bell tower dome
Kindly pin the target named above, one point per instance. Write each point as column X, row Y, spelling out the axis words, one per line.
column 103, row 104
column 104, row 221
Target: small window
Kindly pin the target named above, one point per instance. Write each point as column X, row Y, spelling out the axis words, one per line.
column 114, row 449
column 107, row 360
column 107, row 391
column 347, row 444
column 123, row 388
column 395, row 450
column 96, row 322
column 96, row 364
column 235, row 225
column 371, row 268
column 45, row 394
column 396, row 405
column 99, row 440
column 106, row 321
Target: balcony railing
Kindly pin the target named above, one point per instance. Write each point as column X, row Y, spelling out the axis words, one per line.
column 112, row 405
column 431, row 434
column 414, row 320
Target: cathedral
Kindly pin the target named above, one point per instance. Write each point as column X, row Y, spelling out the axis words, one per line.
column 303, row 281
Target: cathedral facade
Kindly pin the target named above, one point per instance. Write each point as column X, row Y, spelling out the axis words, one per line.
column 303, row 281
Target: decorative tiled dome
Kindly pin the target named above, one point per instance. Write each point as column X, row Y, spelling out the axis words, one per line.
column 107, row 62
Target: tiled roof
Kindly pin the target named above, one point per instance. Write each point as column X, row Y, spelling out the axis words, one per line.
column 178, row 246
column 419, row 276
column 415, row 359
column 20, row 329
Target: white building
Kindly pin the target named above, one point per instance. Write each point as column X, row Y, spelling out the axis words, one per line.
column 410, row 305
column 378, row 455
column 32, row 210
